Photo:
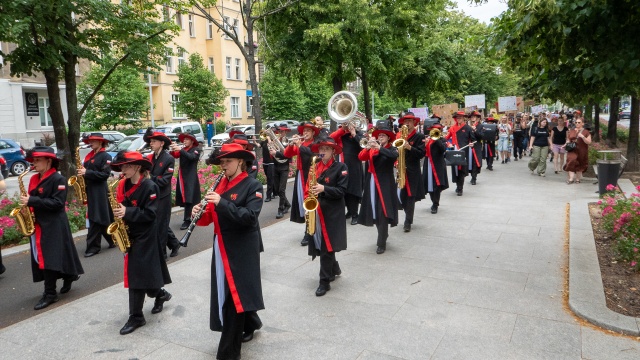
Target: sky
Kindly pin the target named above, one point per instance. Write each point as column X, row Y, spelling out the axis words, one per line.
column 484, row 12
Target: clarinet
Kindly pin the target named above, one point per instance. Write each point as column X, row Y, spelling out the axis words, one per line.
column 196, row 217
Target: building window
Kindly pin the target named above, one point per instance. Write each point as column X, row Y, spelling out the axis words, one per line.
column 209, row 29
column 226, row 26
column 77, row 67
column 169, row 56
column 165, row 13
column 192, row 28
column 211, row 68
column 181, row 60
column 45, row 119
column 235, row 107
column 175, row 99
column 250, row 105
column 228, row 67
column 237, row 69
column 179, row 21
column 235, row 27
column 1, row 58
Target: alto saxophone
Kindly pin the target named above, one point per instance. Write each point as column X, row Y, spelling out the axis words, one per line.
column 402, row 166
column 117, row 229
column 310, row 203
column 24, row 217
column 78, row 181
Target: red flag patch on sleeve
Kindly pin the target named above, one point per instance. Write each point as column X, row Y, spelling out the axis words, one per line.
column 61, row 187
column 258, row 194
column 344, row 173
column 170, row 170
column 108, row 162
column 152, row 196
column 196, row 152
column 254, row 167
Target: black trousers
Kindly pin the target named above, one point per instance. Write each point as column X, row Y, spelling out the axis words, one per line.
column 270, row 174
column 409, row 207
column 50, row 280
column 136, row 300
column 474, row 172
column 459, row 183
column 187, row 212
column 328, row 266
column 94, row 237
column 491, row 153
column 234, row 325
column 435, row 197
column 352, row 202
column 518, row 144
column 280, row 181
column 382, row 224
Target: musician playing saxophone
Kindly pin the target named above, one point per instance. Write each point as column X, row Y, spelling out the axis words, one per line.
column 96, row 170
column 413, row 189
column 332, row 178
column 145, row 270
column 53, row 253
column 236, row 289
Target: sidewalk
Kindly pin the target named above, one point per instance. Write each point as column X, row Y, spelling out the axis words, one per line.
column 482, row 279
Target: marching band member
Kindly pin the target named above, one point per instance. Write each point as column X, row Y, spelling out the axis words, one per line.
column 161, row 173
column 54, row 254
column 242, row 139
column 281, row 174
column 331, row 231
column 489, row 149
column 349, row 140
column 435, row 168
column 320, row 125
column 96, row 169
column 414, row 151
column 145, row 270
column 475, row 165
column 460, row 135
column 380, row 201
column 268, row 167
column 188, row 186
column 236, row 289
column 302, row 148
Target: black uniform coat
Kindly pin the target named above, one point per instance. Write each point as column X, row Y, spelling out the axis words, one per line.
column 436, row 178
column 330, row 225
column 350, row 150
column 476, row 135
column 252, row 168
column 413, row 176
column 188, row 186
column 303, row 163
column 380, row 169
column 161, row 173
column 98, row 168
column 52, row 243
column 461, row 137
column 144, row 265
column 237, row 246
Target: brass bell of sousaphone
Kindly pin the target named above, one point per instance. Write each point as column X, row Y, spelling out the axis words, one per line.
column 343, row 109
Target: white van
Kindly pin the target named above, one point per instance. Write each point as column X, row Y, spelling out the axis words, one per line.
column 184, row 127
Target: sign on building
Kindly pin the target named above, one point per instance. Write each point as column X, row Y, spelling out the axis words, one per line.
column 31, row 99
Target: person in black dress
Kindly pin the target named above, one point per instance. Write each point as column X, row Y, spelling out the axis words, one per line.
column 413, row 189
column 435, row 168
column 460, row 135
column 242, row 139
column 490, row 135
column 53, row 252
column 268, row 167
column 145, row 270
column 281, row 174
column 475, row 165
column 349, row 140
column 188, row 186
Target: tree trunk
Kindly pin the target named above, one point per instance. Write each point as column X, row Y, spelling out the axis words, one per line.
column 52, row 76
column 73, row 122
column 414, row 102
column 596, row 124
column 253, row 77
column 365, row 94
column 612, row 136
column 632, row 144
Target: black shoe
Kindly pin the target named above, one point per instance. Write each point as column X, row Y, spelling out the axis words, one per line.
column 502, row 162
column 473, row 181
column 2, row 269
column 45, row 301
column 322, row 289
column 354, row 220
column 111, row 246
column 407, row 227
column 347, row 215
column 434, row 209
column 490, row 168
column 286, row 209
column 459, row 192
column 174, row 251
column 380, row 250
column 66, row 284
column 515, row 158
column 248, row 336
column 280, row 215
column 160, row 300
column 267, row 199
column 166, row 257
column 185, row 225
column 90, row 254
column 132, row 324
column 305, row 241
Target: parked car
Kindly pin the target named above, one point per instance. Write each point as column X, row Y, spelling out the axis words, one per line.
column 219, row 139
column 131, row 142
column 4, row 170
column 625, row 114
column 113, row 136
column 14, row 156
column 173, row 129
column 291, row 124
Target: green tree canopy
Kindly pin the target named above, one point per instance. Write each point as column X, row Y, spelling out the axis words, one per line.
column 281, row 98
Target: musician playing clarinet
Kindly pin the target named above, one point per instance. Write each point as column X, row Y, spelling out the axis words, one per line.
column 236, row 289
column 348, row 137
column 413, row 189
column 460, row 136
column 475, row 166
column 435, row 168
column 380, row 200
column 188, row 186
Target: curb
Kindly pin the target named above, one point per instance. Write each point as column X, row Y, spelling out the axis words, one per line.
column 586, row 292
column 26, row 247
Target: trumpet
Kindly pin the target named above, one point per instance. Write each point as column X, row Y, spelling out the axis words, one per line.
column 176, row 146
column 364, row 142
column 435, row 134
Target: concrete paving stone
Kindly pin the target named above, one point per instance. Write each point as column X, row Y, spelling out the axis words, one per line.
column 520, row 239
column 509, row 228
column 600, row 315
column 474, row 257
column 371, row 355
column 529, row 266
column 550, row 252
column 485, row 235
column 271, row 347
column 552, row 233
column 586, row 287
column 462, row 347
column 584, row 261
column 433, row 315
column 466, row 320
column 510, row 252
column 598, row 347
column 473, row 275
column 581, row 239
column 389, row 261
column 438, row 289
column 547, row 336
column 280, row 264
column 545, row 284
column 172, row 351
column 11, row 350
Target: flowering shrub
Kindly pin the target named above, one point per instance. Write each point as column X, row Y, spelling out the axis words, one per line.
column 621, row 216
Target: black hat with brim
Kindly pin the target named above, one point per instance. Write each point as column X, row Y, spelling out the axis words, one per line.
column 129, row 157
column 233, row 151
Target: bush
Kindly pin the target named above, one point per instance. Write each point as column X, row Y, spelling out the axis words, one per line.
column 621, row 216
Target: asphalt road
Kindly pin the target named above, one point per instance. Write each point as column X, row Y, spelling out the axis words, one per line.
column 18, row 292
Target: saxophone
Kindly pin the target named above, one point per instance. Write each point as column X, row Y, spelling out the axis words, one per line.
column 78, row 181
column 401, row 175
column 310, row 203
column 24, row 217
column 117, row 229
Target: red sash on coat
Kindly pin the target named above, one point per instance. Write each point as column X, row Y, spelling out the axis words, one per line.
column 433, row 166
column 321, row 167
column 33, row 184
column 91, row 154
column 370, row 154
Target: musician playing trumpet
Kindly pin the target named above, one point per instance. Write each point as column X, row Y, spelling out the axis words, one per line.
column 236, row 289
column 188, row 186
column 281, row 173
column 267, row 166
column 435, row 168
column 413, row 189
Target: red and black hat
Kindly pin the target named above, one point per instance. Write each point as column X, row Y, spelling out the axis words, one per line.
column 435, row 116
column 301, row 127
column 131, row 158
column 408, row 117
column 86, row 138
column 383, row 129
column 283, row 128
column 233, row 133
column 158, row 135
column 190, row 136
column 235, row 151
column 45, row 152
column 490, row 118
column 459, row 114
column 315, row 147
column 475, row 113
column 242, row 139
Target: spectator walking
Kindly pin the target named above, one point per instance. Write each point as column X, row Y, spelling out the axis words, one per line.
column 578, row 159
column 558, row 139
column 539, row 144
column 504, row 130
